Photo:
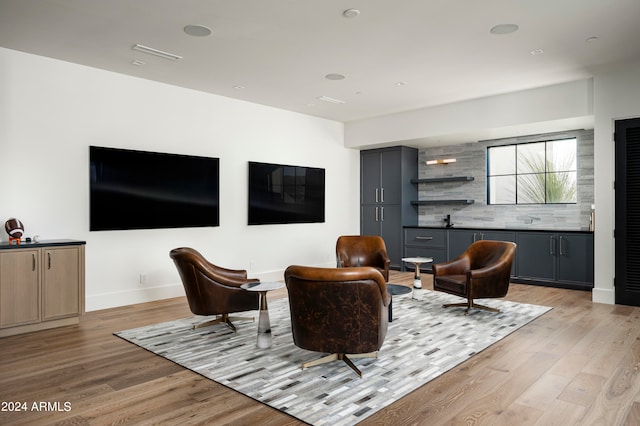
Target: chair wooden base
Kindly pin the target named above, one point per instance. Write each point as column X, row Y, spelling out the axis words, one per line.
column 225, row 319
column 469, row 304
column 343, row 357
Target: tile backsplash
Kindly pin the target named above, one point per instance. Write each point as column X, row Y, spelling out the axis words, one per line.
column 471, row 160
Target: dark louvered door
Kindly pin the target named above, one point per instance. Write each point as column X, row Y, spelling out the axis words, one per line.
column 627, row 142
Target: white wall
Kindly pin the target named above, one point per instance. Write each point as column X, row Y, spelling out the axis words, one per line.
column 560, row 107
column 617, row 96
column 51, row 111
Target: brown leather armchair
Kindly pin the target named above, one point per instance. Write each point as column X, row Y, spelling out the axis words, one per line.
column 338, row 311
column 212, row 290
column 482, row 271
column 363, row 250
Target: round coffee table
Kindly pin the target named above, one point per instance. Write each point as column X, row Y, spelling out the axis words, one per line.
column 264, row 324
column 395, row 290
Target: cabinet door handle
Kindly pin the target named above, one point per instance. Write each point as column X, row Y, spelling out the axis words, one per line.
column 33, row 261
column 423, row 238
column 561, row 253
column 552, row 241
column 382, row 214
column 382, row 195
column 377, row 214
column 482, row 235
column 49, row 260
column 377, row 194
column 475, row 237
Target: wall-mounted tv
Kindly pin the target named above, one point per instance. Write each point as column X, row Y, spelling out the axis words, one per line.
column 285, row 194
column 145, row 190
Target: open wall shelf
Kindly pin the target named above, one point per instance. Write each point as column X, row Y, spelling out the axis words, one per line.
column 429, row 202
column 444, row 179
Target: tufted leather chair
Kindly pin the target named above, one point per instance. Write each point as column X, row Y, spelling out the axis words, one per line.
column 338, row 311
column 482, row 271
column 363, row 250
column 212, row 290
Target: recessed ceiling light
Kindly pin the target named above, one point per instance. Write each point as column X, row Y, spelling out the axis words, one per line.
column 535, row 52
column 334, row 77
column 156, row 52
column 591, row 39
column 330, row 100
column 238, row 87
column 351, row 13
column 197, row 30
column 400, row 83
column 138, row 63
column 504, row 29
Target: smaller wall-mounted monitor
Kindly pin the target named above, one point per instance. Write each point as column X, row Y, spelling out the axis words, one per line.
column 285, row 194
column 143, row 190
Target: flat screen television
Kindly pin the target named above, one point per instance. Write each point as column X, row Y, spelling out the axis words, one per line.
column 146, row 190
column 285, row 194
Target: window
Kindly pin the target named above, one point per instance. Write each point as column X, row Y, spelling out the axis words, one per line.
column 532, row 173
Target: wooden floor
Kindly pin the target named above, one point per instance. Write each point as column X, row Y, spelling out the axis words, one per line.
column 579, row 364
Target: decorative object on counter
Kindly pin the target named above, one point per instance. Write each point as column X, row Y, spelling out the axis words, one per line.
column 448, row 221
column 15, row 229
column 441, row 161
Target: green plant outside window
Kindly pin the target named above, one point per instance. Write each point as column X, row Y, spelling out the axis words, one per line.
column 533, row 173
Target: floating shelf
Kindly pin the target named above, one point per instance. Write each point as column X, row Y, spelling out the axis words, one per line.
column 426, row 202
column 444, row 179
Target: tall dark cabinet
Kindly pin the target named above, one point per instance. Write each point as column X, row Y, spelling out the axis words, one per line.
column 386, row 193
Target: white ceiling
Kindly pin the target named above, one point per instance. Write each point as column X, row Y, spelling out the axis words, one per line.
column 396, row 55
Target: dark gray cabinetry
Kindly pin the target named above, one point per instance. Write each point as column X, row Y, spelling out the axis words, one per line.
column 537, row 258
column 560, row 258
column 386, row 193
column 425, row 242
column 575, row 258
column 460, row 239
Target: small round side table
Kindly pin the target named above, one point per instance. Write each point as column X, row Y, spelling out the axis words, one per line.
column 264, row 324
column 417, row 261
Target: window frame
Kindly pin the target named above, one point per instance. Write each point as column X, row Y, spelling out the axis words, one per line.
column 517, row 175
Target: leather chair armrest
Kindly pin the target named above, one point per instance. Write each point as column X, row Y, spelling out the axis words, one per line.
column 490, row 270
column 384, row 259
column 228, row 277
column 458, row 266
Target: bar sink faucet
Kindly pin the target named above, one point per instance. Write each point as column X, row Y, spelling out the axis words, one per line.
column 448, row 221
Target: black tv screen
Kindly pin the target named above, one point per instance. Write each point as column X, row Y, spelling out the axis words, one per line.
column 144, row 190
column 285, row 194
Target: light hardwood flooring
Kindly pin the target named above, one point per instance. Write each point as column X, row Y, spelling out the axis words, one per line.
column 579, row 364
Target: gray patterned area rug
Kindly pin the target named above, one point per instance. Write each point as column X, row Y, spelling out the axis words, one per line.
column 423, row 341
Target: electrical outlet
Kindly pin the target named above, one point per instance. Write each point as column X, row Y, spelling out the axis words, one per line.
column 143, row 278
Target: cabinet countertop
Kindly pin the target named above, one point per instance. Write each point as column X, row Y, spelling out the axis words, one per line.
column 462, row 228
column 4, row 245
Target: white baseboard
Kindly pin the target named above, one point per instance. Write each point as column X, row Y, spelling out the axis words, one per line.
column 149, row 294
column 602, row 295
column 131, row 297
